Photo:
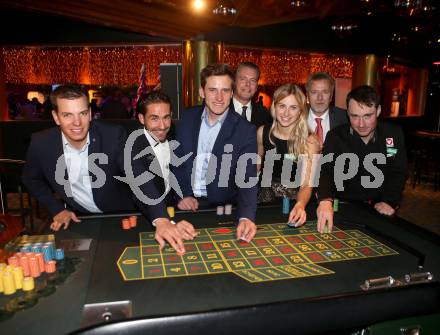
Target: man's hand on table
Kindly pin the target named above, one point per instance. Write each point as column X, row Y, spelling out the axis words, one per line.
column 186, row 230
column 188, row 204
column 384, row 208
column 298, row 215
column 63, row 218
column 166, row 232
column 324, row 213
column 246, row 230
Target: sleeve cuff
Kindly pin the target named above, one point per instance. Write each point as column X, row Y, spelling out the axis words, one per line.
column 153, row 223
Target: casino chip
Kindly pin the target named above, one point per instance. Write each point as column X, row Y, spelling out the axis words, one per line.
column 220, row 210
column 293, row 224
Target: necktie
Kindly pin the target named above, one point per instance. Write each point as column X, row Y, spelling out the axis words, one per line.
column 243, row 112
column 319, row 131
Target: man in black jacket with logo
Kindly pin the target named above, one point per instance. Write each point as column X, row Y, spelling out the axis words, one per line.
column 369, row 161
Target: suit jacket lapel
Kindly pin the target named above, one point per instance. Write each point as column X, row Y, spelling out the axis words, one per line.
column 254, row 112
column 95, row 139
column 226, row 131
column 57, row 153
column 58, row 150
column 331, row 117
column 196, row 132
column 95, row 146
column 151, row 159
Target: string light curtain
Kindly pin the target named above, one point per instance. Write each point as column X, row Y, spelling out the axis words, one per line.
column 120, row 65
column 278, row 67
column 86, row 65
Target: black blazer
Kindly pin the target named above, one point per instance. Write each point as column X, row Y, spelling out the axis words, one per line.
column 388, row 141
column 46, row 148
column 260, row 115
column 154, row 188
column 337, row 116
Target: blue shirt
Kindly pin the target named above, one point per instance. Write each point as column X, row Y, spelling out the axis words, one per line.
column 207, row 137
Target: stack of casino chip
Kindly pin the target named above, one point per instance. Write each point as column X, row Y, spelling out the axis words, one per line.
column 34, row 267
column 8, row 282
column 50, row 267
column 12, row 279
column 129, row 223
column 171, row 212
column 50, row 251
column 126, row 224
column 24, row 264
column 47, row 253
column 26, row 248
column 29, row 263
column 59, row 254
column 40, row 259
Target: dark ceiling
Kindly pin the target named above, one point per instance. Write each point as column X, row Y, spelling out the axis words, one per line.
column 377, row 26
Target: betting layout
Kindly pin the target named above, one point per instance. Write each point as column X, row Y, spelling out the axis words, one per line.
column 277, row 252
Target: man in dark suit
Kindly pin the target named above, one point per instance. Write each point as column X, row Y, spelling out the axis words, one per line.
column 77, row 160
column 374, row 164
column 322, row 117
column 246, row 84
column 222, row 146
column 151, row 152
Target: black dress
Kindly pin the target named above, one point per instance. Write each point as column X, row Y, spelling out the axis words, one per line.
column 277, row 189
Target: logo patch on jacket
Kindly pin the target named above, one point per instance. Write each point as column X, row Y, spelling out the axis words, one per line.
column 389, row 142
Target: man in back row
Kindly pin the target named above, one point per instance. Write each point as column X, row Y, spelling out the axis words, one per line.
column 379, row 149
column 245, row 87
column 322, row 117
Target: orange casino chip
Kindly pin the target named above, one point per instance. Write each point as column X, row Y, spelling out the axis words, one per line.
column 40, row 259
column 24, row 263
column 34, row 267
column 133, row 221
column 50, row 266
column 126, row 224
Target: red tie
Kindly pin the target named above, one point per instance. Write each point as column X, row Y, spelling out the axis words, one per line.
column 318, row 131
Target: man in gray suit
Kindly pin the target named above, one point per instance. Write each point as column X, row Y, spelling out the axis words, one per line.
column 322, row 117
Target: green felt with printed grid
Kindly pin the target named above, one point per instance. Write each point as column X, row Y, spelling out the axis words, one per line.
column 277, row 252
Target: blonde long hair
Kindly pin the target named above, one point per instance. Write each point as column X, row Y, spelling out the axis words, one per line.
column 297, row 142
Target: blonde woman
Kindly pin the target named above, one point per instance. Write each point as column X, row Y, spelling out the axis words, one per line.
column 288, row 137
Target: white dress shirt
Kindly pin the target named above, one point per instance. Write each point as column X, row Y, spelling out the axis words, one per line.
column 207, row 136
column 325, row 122
column 162, row 152
column 77, row 164
column 238, row 107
